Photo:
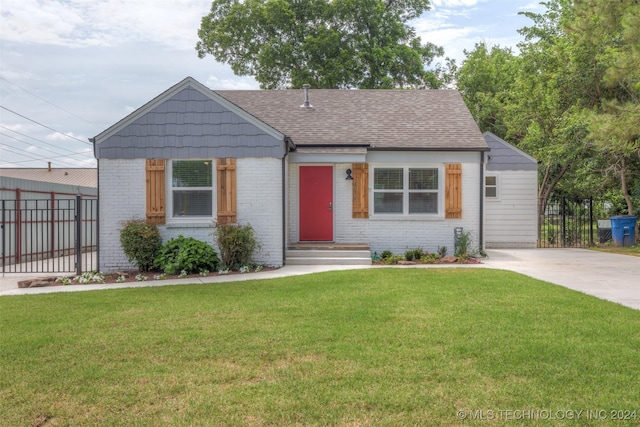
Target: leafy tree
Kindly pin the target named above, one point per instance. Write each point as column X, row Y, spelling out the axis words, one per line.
column 570, row 98
column 551, row 99
column 485, row 81
column 326, row 43
column 611, row 30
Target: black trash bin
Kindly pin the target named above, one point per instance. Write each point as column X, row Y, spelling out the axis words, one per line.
column 604, row 230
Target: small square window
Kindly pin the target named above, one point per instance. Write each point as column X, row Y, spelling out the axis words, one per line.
column 491, row 186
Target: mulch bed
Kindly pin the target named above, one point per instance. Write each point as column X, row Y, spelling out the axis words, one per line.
column 130, row 276
column 443, row 260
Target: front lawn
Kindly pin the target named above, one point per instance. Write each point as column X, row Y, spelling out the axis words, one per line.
column 624, row 250
column 388, row 347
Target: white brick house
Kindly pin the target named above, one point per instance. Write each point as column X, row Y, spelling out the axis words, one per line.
column 382, row 169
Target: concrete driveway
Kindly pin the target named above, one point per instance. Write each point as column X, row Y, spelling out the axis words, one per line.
column 608, row 276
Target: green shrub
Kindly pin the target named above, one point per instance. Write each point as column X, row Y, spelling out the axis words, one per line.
column 393, row 259
column 408, row 255
column 428, row 258
column 414, row 254
column 237, row 244
column 140, row 242
column 188, row 254
column 386, row 254
column 464, row 246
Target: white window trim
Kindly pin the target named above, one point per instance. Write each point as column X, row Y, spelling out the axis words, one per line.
column 498, row 186
column 194, row 220
column 405, row 215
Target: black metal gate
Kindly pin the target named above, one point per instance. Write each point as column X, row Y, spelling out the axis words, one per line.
column 49, row 236
column 567, row 223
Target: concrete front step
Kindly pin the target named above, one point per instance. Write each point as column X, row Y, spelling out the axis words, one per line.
column 328, row 257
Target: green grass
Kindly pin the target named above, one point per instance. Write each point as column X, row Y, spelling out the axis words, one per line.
column 625, row 250
column 386, row 347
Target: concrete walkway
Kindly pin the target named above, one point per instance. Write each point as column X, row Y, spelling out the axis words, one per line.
column 608, row 276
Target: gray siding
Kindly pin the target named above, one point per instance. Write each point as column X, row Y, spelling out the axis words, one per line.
column 189, row 125
column 511, row 219
column 504, row 156
column 41, row 190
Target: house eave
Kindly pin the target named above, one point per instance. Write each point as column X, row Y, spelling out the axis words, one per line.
column 441, row 149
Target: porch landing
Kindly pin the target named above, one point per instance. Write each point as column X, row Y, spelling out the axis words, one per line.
column 328, row 253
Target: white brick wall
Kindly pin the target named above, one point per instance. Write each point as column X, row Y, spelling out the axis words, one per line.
column 293, row 203
column 259, row 185
column 401, row 235
column 347, row 228
column 259, row 203
column 123, row 197
column 395, row 235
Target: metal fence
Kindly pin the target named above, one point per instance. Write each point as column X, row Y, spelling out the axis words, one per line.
column 49, row 236
column 568, row 223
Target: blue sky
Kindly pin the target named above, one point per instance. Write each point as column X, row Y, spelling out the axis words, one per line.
column 71, row 68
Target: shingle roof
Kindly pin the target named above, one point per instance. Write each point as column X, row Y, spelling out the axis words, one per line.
column 83, row 177
column 382, row 119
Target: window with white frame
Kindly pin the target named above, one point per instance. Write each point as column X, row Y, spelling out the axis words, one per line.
column 406, row 190
column 491, row 186
column 191, row 189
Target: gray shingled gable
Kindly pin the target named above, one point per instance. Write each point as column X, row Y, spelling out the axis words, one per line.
column 378, row 119
column 189, row 121
column 504, row 156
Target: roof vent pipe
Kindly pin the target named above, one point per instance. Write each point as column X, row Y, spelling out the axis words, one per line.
column 49, row 168
column 306, row 104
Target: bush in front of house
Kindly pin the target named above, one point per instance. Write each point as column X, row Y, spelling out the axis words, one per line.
column 237, row 244
column 414, row 254
column 140, row 242
column 464, row 247
column 186, row 254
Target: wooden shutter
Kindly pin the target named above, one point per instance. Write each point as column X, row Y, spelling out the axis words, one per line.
column 453, row 190
column 156, row 205
column 360, row 205
column 226, row 191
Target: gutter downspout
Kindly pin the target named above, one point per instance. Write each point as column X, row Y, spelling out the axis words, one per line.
column 288, row 146
column 481, row 232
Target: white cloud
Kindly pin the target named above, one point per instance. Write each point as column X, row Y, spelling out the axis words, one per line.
column 77, row 23
column 236, row 83
column 65, row 137
column 454, row 3
column 532, row 7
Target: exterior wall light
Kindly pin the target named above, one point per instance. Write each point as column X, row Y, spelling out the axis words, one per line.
column 349, row 174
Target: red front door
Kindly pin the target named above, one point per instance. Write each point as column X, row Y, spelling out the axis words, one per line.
column 316, row 203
